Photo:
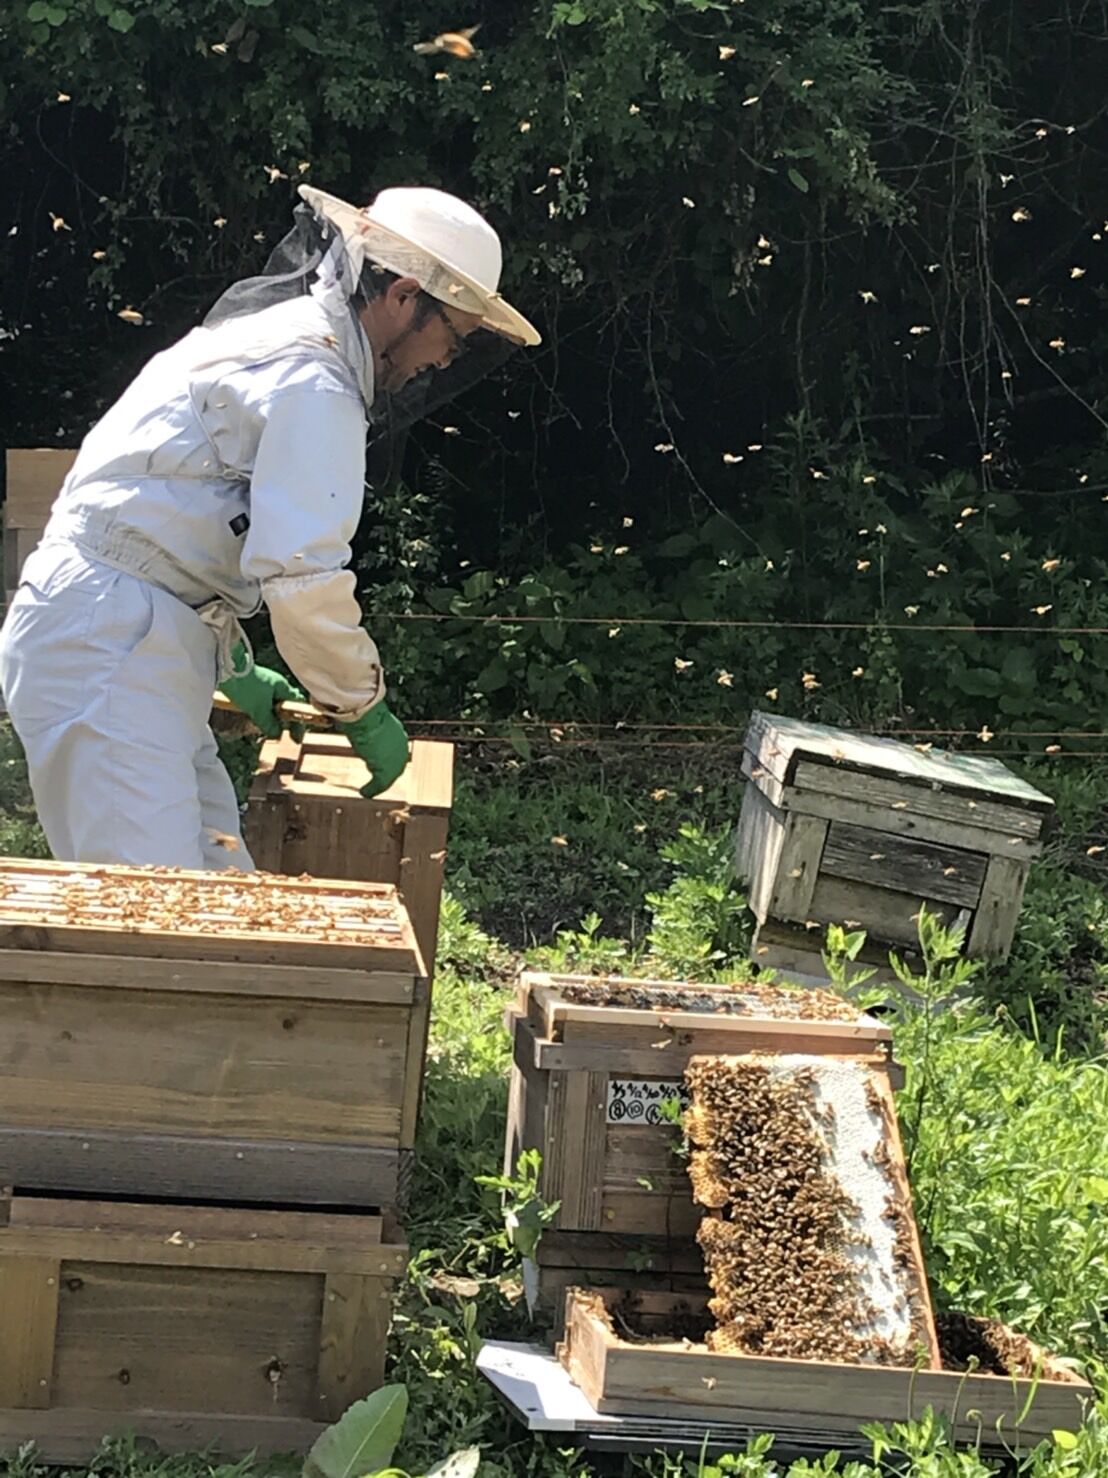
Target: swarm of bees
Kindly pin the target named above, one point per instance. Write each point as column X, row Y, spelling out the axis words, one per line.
column 776, row 1240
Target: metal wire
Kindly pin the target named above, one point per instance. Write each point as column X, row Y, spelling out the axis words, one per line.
column 767, row 625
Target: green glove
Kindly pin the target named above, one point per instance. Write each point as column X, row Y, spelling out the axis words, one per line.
column 379, row 739
column 258, row 693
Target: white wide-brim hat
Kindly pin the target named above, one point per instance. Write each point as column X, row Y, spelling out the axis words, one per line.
column 450, row 249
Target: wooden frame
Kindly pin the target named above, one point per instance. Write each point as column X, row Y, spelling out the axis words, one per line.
column 676, row 1379
column 306, row 815
column 187, row 1065
column 190, row 1325
column 615, row 1172
column 912, row 1272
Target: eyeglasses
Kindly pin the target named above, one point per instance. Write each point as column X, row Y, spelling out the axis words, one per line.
column 457, row 340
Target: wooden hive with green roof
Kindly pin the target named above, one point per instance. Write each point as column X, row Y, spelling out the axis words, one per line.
column 845, row 828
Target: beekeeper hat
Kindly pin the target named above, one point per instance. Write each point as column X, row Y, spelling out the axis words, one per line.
column 447, row 246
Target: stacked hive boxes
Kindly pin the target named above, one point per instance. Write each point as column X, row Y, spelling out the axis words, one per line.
column 597, row 1085
column 818, row 1316
column 209, row 1085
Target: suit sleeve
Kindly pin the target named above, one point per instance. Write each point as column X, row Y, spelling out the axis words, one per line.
column 306, row 497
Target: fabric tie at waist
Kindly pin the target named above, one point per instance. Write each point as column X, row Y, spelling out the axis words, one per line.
column 225, row 626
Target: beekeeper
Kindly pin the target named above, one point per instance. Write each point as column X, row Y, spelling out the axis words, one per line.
column 231, row 473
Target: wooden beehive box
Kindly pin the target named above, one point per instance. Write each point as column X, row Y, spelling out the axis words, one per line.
column 844, row 828
column 655, row 1372
column 187, row 1325
column 587, row 1087
column 224, row 1036
column 306, row 816
column 33, row 480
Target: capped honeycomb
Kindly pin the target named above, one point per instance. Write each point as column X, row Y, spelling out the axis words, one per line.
column 804, row 1240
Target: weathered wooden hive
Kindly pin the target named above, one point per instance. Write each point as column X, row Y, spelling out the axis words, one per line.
column 306, row 815
column 223, row 1036
column 845, row 828
column 597, row 1081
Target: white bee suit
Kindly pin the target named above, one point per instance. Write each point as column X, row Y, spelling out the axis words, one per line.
column 230, row 473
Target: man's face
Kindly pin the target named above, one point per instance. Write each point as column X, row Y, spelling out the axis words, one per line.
column 411, row 332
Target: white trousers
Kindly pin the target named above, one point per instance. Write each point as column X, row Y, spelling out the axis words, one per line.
column 108, row 681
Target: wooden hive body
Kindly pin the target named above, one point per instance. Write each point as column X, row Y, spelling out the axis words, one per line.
column 306, row 816
column 585, row 1089
column 663, row 1375
column 34, row 479
column 844, row 828
column 221, row 1036
column 187, row 1325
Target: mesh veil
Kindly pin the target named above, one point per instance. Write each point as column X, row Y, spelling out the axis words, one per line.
column 314, row 257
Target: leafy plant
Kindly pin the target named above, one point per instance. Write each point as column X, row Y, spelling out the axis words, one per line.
column 362, row 1442
column 525, row 1211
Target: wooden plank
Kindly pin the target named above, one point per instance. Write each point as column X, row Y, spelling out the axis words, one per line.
column 353, row 1334
column 912, row 1246
column 862, row 855
column 28, row 1322
column 619, row 1252
column 994, row 924
column 885, row 914
column 420, row 879
column 261, row 947
column 572, row 1023
column 76, row 1434
column 414, row 1059
column 123, row 1162
column 157, row 1338
column 128, row 972
column 278, row 1257
column 668, row 1052
column 646, row 1185
column 781, row 1395
column 574, row 1146
column 158, row 1063
column 783, row 744
column 34, row 478
column 250, row 1224
column 761, row 834
column 798, row 866
column 650, row 1212
column 920, row 800
column 884, row 818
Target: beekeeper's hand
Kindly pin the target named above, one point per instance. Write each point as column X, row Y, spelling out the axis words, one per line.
column 257, row 695
column 378, row 737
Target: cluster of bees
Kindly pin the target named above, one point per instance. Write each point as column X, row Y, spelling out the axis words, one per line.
column 747, row 998
column 776, row 1246
column 241, row 903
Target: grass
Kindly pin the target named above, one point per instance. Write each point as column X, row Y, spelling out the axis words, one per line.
column 1006, row 1099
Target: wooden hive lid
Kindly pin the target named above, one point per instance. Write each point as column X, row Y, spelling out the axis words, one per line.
column 166, row 913
column 777, row 745
column 324, row 765
column 741, row 1008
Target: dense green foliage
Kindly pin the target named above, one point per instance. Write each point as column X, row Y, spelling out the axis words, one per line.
column 805, row 227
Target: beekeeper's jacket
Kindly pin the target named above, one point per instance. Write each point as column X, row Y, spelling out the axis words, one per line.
column 230, row 473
